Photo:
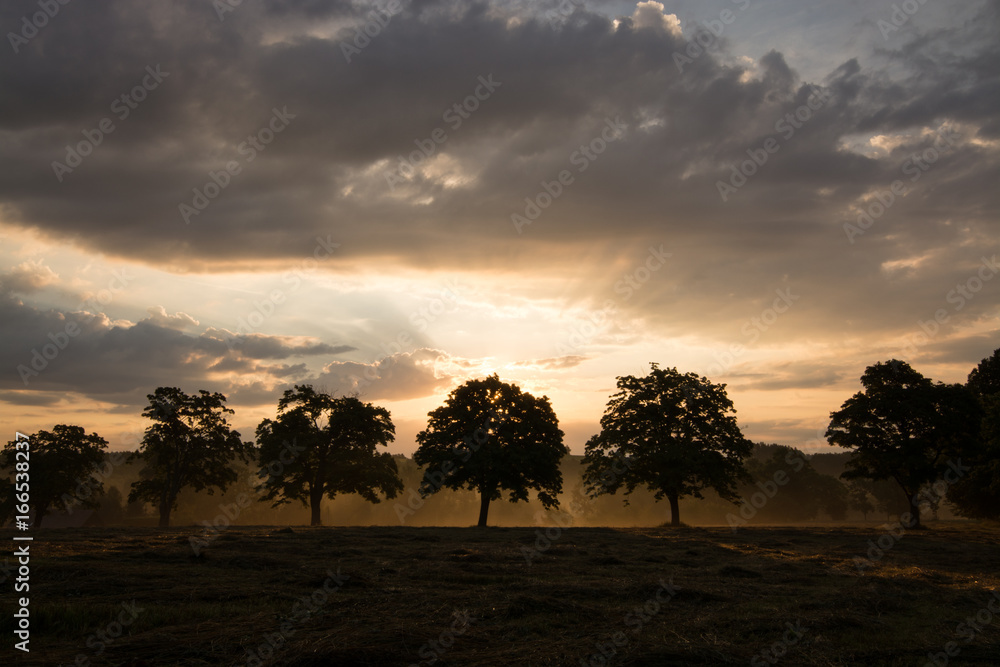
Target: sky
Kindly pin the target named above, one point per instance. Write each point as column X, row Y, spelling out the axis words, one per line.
column 392, row 198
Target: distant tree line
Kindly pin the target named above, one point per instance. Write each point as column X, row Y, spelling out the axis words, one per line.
column 912, row 444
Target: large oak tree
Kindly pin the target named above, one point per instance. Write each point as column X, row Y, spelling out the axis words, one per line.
column 906, row 428
column 677, row 433
column 320, row 446
column 190, row 444
column 491, row 437
column 59, row 462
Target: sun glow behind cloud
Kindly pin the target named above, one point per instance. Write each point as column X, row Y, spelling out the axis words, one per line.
column 315, row 266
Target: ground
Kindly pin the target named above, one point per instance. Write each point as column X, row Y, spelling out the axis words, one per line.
column 512, row 596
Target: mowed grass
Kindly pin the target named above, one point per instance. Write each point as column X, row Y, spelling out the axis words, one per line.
column 733, row 596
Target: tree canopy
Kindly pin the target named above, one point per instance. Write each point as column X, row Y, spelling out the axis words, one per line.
column 678, row 433
column 189, row 444
column 977, row 495
column 491, row 437
column 984, row 380
column 904, row 427
column 324, row 446
column 60, row 460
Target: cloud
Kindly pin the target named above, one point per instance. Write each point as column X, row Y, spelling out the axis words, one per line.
column 27, row 278
column 49, row 350
column 261, row 346
column 554, row 363
column 179, row 321
column 651, row 15
column 528, row 100
column 398, row 377
column 325, row 174
column 798, row 375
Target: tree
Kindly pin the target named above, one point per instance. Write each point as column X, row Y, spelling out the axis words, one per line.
column 794, row 490
column 977, row 495
column 111, row 510
column 984, row 380
column 189, row 444
column 59, row 461
column 859, row 499
column 491, row 437
column 904, row 427
column 323, row 446
column 678, row 433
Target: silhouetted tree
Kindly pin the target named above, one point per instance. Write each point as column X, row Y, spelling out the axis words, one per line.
column 859, row 499
column 190, row 444
column 984, row 380
column 799, row 492
column 59, row 460
column 679, row 434
column 905, row 428
column 323, row 446
column 977, row 495
column 491, row 437
column 111, row 509
column 889, row 498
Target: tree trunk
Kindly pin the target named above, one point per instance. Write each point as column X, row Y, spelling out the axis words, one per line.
column 164, row 515
column 675, row 511
column 315, row 505
column 484, row 507
column 914, row 512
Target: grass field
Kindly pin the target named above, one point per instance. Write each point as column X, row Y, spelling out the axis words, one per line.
column 468, row 596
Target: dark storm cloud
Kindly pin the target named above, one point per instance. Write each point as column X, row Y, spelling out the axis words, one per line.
column 260, row 346
column 50, row 351
column 345, row 124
